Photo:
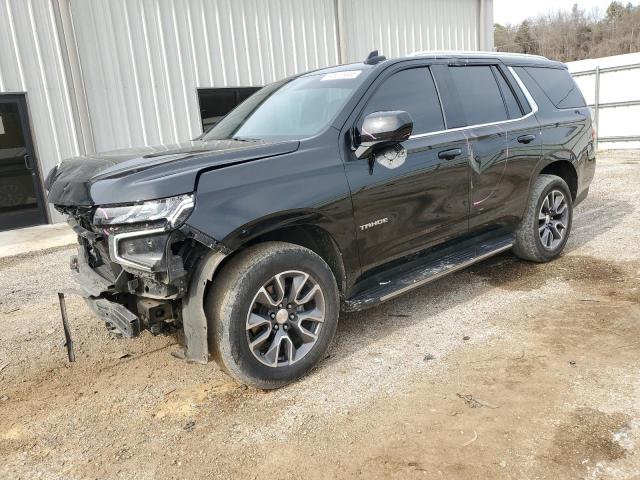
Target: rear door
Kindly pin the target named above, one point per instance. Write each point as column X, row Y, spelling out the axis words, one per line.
column 21, row 199
column 503, row 137
column 416, row 196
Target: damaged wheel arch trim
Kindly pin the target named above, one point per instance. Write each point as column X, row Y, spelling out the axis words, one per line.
column 194, row 319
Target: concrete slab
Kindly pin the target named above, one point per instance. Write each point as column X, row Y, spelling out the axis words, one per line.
column 33, row 239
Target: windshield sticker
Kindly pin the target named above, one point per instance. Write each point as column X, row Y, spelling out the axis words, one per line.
column 348, row 75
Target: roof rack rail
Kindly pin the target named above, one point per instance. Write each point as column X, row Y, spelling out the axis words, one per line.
column 373, row 58
column 474, row 53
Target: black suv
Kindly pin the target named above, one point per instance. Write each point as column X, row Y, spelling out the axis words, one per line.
column 335, row 189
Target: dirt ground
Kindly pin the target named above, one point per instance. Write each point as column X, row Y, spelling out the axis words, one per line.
column 504, row 370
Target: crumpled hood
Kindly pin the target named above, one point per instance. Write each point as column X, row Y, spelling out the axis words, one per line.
column 138, row 174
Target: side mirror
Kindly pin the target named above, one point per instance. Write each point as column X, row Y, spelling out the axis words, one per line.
column 382, row 129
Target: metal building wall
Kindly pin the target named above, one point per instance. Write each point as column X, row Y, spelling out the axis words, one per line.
column 400, row 27
column 142, row 60
column 31, row 62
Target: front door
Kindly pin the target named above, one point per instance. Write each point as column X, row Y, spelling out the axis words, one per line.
column 21, row 200
column 413, row 196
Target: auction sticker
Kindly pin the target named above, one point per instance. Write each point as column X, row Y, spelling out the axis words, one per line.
column 346, row 75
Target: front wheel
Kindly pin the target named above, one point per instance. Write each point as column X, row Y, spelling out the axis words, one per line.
column 273, row 310
column 545, row 227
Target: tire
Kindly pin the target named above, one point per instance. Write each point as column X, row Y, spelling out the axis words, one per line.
column 241, row 315
column 537, row 235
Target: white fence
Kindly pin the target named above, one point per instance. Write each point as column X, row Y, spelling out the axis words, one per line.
column 611, row 87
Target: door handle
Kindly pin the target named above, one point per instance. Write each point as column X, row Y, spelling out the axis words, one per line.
column 450, row 154
column 526, row 138
column 27, row 162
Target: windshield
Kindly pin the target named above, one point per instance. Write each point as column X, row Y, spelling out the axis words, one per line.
column 290, row 109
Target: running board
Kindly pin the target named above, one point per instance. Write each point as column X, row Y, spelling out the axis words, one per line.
column 420, row 271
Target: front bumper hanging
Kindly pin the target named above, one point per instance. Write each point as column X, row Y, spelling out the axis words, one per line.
column 116, row 315
column 103, row 296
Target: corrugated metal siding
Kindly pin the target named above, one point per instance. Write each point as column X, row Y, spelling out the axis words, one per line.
column 31, row 62
column 101, row 75
column 400, row 27
column 142, row 60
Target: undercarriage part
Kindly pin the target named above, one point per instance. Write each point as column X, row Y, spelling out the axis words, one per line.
column 150, row 287
column 116, row 316
column 154, row 314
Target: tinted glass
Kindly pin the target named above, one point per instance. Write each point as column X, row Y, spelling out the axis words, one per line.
column 479, row 94
column 558, row 85
column 509, row 98
column 215, row 103
column 414, row 92
column 18, row 198
column 291, row 109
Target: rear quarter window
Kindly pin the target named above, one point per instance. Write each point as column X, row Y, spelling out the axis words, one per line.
column 558, row 86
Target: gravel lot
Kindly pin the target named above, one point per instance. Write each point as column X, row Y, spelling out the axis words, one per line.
column 504, row 370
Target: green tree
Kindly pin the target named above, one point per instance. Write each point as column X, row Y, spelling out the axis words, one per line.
column 525, row 40
column 615, row 10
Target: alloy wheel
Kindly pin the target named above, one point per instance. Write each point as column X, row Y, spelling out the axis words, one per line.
column 285, row 318
column 552, row 219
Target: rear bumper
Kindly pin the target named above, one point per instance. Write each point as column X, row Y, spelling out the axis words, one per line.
column 586, row 171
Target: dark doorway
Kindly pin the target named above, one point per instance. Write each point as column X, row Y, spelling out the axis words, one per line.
column 21, row 199
column 215, row 103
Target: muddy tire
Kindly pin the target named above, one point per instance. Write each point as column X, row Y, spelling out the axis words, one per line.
column 272, row 311
column 546, row 225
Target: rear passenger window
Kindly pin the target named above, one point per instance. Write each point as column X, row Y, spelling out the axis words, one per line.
column 558, row 85
column 509, row 98
column 479, row 94
column 414, row 92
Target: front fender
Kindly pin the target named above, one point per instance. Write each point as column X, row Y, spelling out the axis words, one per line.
column 309, row 186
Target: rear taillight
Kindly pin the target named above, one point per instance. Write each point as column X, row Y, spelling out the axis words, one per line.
column 593, row 133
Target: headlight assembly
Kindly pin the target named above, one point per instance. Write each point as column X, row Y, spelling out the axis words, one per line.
column 143, row 250
column 174, row 210
column 138, row 233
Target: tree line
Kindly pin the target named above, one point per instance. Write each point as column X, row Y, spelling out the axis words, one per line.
column 574, row 35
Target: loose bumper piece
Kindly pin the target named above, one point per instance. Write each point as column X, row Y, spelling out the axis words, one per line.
column 116, row 315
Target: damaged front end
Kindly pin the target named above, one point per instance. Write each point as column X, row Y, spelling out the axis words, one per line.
column 136, row 263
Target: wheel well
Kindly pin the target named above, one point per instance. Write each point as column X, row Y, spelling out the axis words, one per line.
column 567, row 172
column 315, row 239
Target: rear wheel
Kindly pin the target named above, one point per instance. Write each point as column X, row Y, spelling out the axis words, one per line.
column 545, row 227
column 273, row 310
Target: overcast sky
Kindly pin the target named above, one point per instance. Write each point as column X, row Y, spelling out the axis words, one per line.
column 514, row 11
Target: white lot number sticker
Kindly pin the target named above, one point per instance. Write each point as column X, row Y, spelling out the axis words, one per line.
column 347, row 75
column 1, row 126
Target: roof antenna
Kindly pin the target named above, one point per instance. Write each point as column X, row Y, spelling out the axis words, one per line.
column 373, row 58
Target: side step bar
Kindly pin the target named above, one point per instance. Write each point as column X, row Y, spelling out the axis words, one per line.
column 387, row 285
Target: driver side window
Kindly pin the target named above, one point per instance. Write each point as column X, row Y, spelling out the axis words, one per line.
column 413, row 91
